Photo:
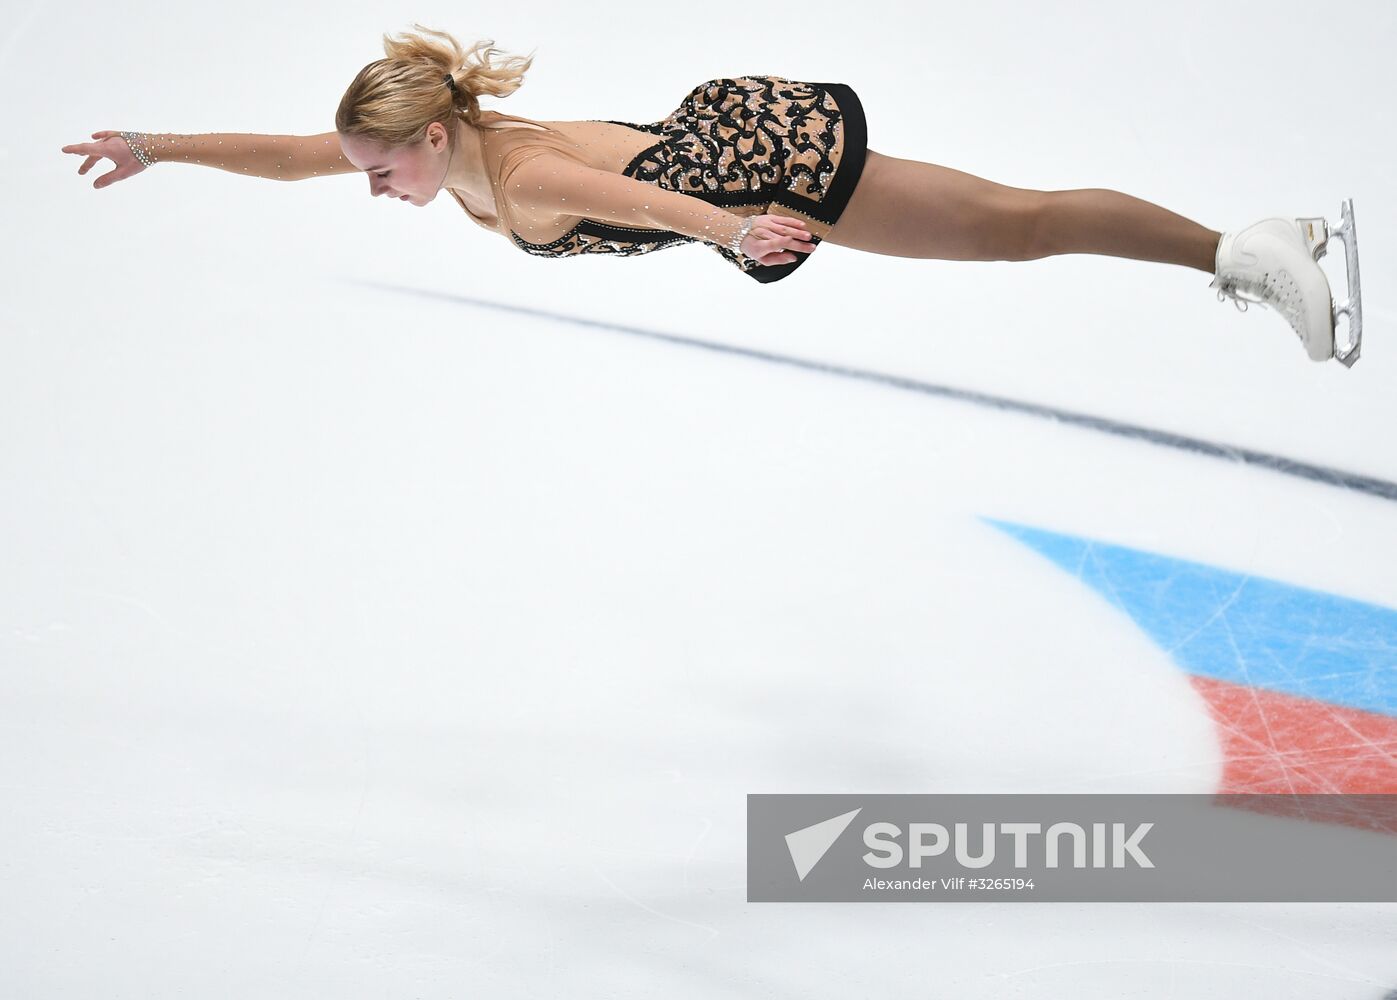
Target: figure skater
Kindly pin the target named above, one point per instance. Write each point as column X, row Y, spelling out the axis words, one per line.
column 761, row 169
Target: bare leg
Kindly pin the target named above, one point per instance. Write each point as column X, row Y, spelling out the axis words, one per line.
column 1095, row 220
column 907, row 208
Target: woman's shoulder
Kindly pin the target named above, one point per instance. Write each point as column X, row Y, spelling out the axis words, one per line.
column 497, row 121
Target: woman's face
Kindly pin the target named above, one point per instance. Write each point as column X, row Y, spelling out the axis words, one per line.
column 412, row 174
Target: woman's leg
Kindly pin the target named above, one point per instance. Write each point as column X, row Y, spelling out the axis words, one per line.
column 907, row 208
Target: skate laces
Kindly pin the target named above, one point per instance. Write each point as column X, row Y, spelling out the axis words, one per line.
column 1231, row 285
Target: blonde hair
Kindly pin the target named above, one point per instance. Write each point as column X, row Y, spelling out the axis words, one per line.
column 392, row 101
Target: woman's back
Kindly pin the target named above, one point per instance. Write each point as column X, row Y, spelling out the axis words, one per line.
column 507, row 140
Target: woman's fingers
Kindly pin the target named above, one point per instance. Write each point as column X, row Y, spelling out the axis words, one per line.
column 788, row 225
column 783, row 251
column 109, row 178
column 90, row 148
column 781, row 239
column 799, row 244
column 103, row 148
column 86, row 150
column 786, row 233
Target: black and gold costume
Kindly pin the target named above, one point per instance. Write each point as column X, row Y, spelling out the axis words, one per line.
column 750, row 145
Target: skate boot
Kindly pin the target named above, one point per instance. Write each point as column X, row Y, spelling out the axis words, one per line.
column 1276, row 260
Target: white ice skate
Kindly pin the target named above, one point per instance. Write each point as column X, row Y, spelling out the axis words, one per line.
column 1277, row 261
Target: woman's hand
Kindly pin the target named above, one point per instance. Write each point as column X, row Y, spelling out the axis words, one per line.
column 777, row 239
column 111, row 145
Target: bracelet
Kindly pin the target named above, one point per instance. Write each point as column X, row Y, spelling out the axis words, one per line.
column 735, row 244
column 135, row 141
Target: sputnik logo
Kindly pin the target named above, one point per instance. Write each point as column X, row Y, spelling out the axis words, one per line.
column 809, row 845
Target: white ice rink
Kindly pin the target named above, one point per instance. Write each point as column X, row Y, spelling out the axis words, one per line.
column 385, row 612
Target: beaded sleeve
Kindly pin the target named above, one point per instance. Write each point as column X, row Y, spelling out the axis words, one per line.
column 546, row 183
column 277, row 157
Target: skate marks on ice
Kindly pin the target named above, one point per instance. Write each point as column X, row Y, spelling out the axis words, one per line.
column 1301, row 683
column 1327, row 475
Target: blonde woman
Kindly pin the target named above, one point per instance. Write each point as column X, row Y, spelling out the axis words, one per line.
column 761, row 169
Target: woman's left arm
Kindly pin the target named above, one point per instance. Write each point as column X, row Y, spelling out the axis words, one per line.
column 552, row 183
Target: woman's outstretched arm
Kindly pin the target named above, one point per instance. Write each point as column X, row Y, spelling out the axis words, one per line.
column 276, row 157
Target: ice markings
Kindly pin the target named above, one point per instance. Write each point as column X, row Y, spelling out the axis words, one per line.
column 1242, row 629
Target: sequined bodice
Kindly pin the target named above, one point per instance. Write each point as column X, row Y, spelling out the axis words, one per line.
column 736, row 143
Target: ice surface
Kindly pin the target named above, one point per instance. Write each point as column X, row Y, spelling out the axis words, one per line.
column 373, row 624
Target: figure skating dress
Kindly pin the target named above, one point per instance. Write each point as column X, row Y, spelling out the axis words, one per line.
column 752, row 145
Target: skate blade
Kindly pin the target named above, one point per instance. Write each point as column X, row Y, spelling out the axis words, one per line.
column 1352, row 307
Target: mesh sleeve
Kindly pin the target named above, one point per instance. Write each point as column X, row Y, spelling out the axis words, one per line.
column 544, row 184
column 277, row 157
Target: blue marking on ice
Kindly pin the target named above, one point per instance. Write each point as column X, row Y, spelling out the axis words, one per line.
column 1234, row 627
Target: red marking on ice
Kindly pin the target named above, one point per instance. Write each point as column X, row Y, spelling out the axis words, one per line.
column 1281, row 744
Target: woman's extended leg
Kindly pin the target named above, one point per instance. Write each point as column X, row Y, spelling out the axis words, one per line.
column 907, row 208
